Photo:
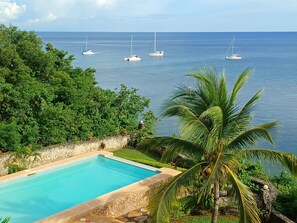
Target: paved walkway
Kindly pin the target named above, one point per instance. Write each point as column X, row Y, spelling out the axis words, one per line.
column 96, row 219
column 138, row 216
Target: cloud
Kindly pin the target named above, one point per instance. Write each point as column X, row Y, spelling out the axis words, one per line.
column 37, row 20
column 104, row 3
column 10, row 10
column 49, row 18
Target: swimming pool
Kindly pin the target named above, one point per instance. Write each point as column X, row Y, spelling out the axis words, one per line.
column 30, row 198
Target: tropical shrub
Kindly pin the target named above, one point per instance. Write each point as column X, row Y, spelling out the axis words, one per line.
column 249, row 170
column 286, row 201
column 183, row 207
column 44, row 100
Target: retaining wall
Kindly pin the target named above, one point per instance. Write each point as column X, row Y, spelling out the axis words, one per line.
column 57, row 152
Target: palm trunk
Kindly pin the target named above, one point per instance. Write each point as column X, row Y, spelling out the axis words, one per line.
column 215, row 212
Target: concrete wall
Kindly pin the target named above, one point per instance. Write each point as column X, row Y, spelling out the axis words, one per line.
column 58, row 152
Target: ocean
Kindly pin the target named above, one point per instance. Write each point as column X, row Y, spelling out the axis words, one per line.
column 272, row 56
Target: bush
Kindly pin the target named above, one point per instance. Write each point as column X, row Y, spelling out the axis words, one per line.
column 13, row 168
column 183, row 206
column 250, row 170
column 9, row 137
column 286, row 201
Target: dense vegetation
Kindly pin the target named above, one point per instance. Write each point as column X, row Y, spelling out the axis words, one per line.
column 286, row 201
column 44, row 100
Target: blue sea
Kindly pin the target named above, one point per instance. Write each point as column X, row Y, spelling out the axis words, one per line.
column 272, row 56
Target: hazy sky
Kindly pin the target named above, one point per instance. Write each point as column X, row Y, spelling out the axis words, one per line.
column 150, row 15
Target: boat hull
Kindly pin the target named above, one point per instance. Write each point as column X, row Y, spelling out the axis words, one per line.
column 233, row 57
column 88, row 52
column 157, row 54
column 132, row 58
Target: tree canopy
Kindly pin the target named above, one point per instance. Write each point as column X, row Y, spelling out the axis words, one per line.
column 44, row 100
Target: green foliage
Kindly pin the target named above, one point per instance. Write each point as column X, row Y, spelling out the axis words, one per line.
column 183, row 207
column 44, row 100
column 5, row 220
column 286, row 201
column 13, row 168
column 250, row 169
column 10, row 138
column 149, row 123
column 21, row 159
column 283, row 181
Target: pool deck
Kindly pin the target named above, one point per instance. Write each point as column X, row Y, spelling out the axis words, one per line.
column 112, row 204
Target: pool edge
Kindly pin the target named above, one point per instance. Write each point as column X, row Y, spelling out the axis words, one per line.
column 112, row 204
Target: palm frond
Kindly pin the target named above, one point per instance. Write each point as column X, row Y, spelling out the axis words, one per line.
column 251, row 102
column 215, row 114
column 241, row 80
column 177, row 108
column 249, row 211
column 5, row 220
column 223, row 92
column 176, row 146
column 194, row 130
column 207, row 82
column 286, row 159
column 251, row 136
column 193, row 96
column 239, row 121
column 161, row 204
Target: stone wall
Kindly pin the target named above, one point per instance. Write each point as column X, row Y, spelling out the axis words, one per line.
column 62, row 151
column 267, row 194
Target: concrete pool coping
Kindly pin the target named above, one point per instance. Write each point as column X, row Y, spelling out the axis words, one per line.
column 112, row 204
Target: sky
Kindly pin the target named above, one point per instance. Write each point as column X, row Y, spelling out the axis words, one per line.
column 150, row 15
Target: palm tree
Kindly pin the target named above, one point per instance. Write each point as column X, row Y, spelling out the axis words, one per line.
column 216, row 133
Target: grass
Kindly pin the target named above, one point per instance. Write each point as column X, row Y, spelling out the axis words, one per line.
column 206, row 219
column 143, row 157
column 135, row 154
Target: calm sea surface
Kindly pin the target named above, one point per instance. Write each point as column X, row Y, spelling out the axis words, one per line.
column 273, row 56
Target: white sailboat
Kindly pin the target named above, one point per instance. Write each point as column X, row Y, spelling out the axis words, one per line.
column 232, row 56
column 86, row 50
column 156, row 53
column 133, row 57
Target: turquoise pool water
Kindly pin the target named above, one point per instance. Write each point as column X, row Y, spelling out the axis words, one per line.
column 32, row 198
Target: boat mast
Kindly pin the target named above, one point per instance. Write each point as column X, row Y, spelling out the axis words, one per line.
column 232, row 45
column 131, row 44
column 155, row 42
column 86, row 47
